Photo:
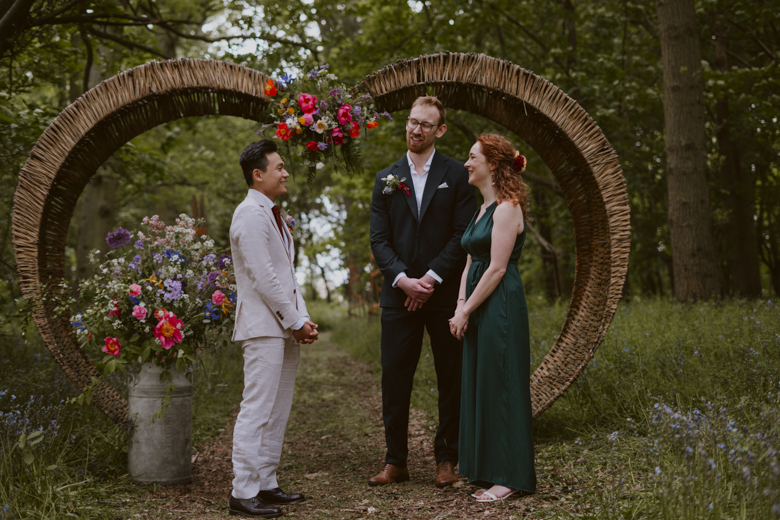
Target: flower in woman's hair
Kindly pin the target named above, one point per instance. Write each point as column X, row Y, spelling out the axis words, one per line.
column 519, row 163
column 344, row 115
column 312, row 146
column 354, row 131
column 168, row 330
column 338, row 136
column 118, row 238
column 139, row 312
column 134, row 290
column 320, row 126
column 283, row 132
column 115, row 311
column 307, row 102
column 218, row 297
column 112, row 346
column 160, row 313
column 270, row 89
column 322, row 146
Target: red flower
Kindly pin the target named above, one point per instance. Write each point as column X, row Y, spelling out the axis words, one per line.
column 283, row 132
column 338, row 136
column 354, row 131
column 308, row 103
column 404, row 187
column 519, row 163
column 168, row 330
column 112, row 346
column 344, row 115
column 270, row 89
column 311, row 146
column 116, row 311
column 372, row 124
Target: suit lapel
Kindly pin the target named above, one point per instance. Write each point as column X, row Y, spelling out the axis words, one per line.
column 435, row 175
column 270, row 215
column 402, row 171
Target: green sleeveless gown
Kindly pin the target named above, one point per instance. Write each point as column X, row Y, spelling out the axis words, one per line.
column 496, row 435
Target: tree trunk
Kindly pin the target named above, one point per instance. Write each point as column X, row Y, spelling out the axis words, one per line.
column 95, row 217
column 739, row 190
column 690, row 221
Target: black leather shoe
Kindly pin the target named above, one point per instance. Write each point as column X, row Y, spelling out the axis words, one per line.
column 253, row 507
column 277, row 496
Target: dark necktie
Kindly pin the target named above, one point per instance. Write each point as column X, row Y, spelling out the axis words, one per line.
column 278, row 217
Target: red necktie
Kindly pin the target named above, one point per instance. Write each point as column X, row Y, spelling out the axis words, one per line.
column 278, row 217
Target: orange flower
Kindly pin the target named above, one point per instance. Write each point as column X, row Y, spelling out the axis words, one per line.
column 291, row 110
column 270, row 89
column 372, row 124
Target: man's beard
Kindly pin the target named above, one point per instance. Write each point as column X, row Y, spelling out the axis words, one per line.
column 416, row 147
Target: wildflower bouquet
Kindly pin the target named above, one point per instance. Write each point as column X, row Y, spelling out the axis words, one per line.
column 320, row 118
column 160, row 299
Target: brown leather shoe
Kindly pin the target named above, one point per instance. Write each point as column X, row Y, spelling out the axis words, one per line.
column 388, row 475
column 445, row 474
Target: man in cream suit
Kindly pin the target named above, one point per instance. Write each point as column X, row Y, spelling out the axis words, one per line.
column 271, row 320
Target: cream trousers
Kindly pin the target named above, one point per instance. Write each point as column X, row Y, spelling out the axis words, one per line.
column 270, row 366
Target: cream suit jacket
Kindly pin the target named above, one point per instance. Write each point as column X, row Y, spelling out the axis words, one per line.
column 269, row 299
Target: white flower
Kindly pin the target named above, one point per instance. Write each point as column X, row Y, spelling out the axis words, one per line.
column 320, row 126
column 117, row 324
column 320, row 165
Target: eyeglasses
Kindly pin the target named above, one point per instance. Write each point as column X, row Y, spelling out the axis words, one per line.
column 411, row 124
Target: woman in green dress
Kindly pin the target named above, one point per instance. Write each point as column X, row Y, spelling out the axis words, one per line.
column 496, row 435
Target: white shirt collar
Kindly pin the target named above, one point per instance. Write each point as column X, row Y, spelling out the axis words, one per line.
column 426, row 167
column 260, row 198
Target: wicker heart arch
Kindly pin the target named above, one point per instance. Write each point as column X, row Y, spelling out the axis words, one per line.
column 86, row 133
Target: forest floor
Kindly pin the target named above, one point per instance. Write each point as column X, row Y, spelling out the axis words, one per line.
column 334, row 444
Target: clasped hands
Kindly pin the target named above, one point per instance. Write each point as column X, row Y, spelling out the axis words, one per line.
column 459, row 321
column 417, row 290
column 306, row 334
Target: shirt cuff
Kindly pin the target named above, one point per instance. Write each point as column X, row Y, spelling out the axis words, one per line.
column 400, row 275
column 434, row 275
column 300, row 323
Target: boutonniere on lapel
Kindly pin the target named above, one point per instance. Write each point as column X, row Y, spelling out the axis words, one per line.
column 290, row 223
column 392, row 184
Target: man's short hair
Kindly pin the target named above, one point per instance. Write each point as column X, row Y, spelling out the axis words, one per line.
column 255, row 156
column 432, row 101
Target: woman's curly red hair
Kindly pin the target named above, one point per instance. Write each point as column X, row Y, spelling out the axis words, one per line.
column 507, row 183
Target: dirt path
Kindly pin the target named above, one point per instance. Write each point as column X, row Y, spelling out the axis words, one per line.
column 334, row 443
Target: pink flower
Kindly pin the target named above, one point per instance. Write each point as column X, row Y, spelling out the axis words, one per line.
column 308, row 103
column 168, row 330
column 218, row 298
column 344, row 115
column 338, row 136
column 116, row 311
column 112, row 346
column 308, row 120
column 134, row 290
column 139, row 312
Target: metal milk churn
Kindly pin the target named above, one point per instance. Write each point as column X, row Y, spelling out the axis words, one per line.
column 160, row 451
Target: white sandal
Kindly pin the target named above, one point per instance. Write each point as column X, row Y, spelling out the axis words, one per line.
column 480, row 491
column 494, row 498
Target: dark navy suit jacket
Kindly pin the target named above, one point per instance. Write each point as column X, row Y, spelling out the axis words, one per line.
column 402, row 240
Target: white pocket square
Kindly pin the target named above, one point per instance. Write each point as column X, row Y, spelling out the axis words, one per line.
column 442, row 185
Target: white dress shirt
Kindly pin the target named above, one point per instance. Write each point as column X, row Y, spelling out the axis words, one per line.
column 262, row 198
column 419, row 181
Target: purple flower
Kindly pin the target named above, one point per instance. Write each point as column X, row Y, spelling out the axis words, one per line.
column 118, row 238
column 357, row 110
column 210, row 258
column 388, row 116
column 322, row 146
column 173, row 292
column 224, row 260
column 139, row 244
column 336, row 92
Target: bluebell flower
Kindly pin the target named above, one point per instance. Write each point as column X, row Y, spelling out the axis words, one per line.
column 175, row 256
column 232, row 298
column 79, row 326
column 286, row 79
column 134, row 301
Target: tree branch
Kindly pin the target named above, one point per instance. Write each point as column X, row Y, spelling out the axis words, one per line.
column 123, row 42
column 90, row 58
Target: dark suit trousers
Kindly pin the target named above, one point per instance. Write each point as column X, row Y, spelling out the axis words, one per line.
column 402, row 335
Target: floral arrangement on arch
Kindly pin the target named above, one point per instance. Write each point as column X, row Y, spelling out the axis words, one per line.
column 160, row 299
column 320, row 118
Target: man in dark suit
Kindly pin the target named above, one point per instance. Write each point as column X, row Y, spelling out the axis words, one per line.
column 420, row 208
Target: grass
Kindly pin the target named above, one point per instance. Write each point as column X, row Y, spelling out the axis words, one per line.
column 676, row 416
